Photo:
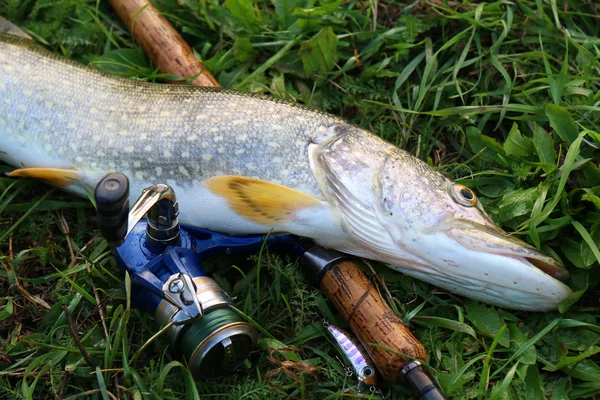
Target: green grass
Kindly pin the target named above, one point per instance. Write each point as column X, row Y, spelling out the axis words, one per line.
column 501, row 95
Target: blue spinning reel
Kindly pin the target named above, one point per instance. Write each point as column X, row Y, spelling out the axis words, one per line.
column 167, row 280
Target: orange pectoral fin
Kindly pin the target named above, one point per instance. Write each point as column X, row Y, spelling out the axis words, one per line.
column 60, row 177
column 260, row 201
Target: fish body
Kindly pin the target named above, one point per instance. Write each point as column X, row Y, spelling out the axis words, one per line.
column 246, row 164
column 355, row 355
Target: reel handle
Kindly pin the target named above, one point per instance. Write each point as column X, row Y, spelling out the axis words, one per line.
column 116, row 221
column 112, row 204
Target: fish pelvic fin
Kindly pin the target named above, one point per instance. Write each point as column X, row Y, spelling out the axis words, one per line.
column 260, row 201
column 59, row 177
column 9, row 28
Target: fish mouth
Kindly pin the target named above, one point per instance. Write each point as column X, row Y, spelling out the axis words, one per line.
column 494, row 240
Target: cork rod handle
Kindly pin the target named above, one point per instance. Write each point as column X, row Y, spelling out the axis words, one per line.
column 388, row 341
column 161, row 42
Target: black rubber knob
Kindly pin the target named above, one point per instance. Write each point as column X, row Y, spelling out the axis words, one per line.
column 112, row 207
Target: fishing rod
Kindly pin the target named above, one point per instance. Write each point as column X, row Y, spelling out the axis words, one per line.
column 161, row 42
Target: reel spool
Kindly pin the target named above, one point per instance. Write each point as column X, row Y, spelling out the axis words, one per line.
column 218, row 343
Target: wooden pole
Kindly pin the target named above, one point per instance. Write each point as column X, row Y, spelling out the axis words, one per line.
column 161, row 42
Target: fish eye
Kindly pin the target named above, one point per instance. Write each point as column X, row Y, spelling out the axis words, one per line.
column 463, row 195
column 367, row 371
column 467, row 194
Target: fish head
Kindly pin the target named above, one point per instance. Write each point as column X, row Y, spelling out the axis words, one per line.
column 401, row 211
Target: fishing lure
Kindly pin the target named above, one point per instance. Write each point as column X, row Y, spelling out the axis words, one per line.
column 360, row 363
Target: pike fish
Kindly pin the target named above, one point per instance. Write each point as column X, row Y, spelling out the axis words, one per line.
column 248, row 164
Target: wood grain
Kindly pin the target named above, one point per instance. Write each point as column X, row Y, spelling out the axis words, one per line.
column 388, row 341
column 161, row 42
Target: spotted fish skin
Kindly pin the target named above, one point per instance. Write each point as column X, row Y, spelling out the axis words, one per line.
column 77, row 117
column 286, row 169
column 355, row 355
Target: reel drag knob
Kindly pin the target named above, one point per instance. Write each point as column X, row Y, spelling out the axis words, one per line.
column 112, row 207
